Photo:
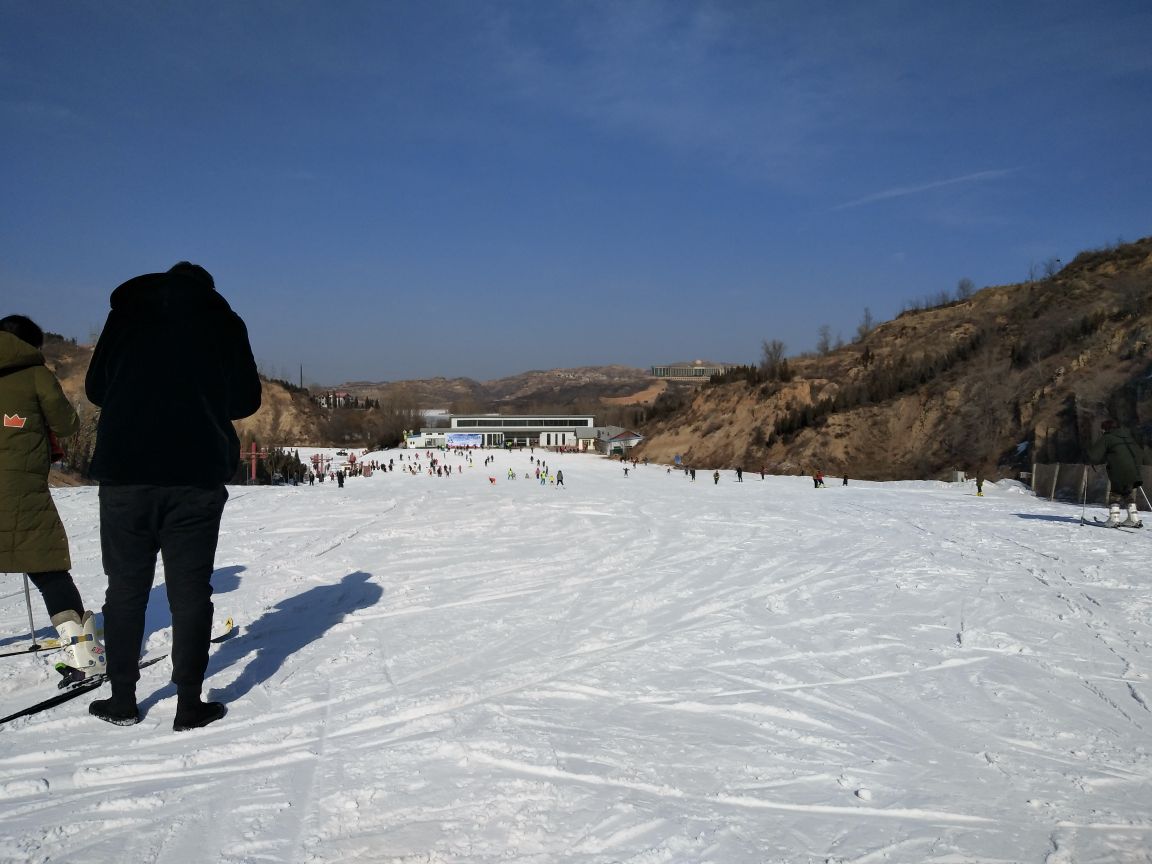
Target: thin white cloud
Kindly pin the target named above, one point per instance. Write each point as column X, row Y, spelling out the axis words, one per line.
column 694, row 81
column 905, row 191
column 40, row 110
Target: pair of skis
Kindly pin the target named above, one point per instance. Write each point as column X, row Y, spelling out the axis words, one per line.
column 85, row 685
column 1103, row 523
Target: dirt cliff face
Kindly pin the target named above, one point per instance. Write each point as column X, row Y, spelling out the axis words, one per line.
column 1011, row 374
column 285, row 419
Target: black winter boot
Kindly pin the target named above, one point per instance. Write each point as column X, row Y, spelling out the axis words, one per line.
column 120, row 710
column 192, row 712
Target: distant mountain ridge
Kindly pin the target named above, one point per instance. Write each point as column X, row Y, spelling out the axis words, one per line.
column 551, row 387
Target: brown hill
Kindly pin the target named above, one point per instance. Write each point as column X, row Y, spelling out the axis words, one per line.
column 1010, row 374
column 429, row 393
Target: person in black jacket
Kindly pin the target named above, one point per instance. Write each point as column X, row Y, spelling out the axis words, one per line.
column 172, row 369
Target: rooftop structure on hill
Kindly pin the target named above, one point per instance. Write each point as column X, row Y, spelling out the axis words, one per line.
column 696, row 370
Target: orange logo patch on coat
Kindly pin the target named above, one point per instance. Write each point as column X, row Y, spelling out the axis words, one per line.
column 14, row 421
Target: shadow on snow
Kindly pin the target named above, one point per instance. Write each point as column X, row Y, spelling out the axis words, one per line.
column 1044, row 517
column 288, row 627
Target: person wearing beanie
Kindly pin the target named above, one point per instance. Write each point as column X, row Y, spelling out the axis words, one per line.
column 1118, row 449
column 32, row 537
column 173, row 364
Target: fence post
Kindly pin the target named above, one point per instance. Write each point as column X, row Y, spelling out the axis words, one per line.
column 1084, row 485
column 1055, row 477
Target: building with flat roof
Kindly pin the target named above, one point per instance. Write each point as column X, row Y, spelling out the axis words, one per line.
column 511, row 430
column 694, row 371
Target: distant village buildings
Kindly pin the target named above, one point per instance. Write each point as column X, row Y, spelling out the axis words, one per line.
column 343, row 399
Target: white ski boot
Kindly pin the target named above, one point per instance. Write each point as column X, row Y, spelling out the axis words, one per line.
column 1113, row 519
column 1133, row 520
column 82, row 649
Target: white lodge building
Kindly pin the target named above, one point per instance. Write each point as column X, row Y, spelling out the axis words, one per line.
column 499, row 430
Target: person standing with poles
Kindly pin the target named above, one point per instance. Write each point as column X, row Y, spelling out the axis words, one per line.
column 173, row 363
column 1117, row 449
column 32, row 537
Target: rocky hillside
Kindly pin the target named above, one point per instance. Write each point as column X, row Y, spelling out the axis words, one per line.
column 1012, row 373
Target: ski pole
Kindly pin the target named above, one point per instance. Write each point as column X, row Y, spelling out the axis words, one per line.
column 1083, row 493
column 1145, row 494
column 28, row 603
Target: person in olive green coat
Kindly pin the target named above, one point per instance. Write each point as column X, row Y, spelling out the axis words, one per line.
column 32, row 538
column 1118, row 449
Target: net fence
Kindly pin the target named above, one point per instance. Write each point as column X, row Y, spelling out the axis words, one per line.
column 1072, row 482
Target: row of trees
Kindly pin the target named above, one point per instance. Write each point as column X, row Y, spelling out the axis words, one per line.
column 964, row 290
column 773, row 359
column 381, row 426
column 774, row 364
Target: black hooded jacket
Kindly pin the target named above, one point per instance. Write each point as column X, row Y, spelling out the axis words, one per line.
column 172, row 369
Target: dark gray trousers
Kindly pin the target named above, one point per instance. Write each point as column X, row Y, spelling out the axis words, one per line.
column 182, row 524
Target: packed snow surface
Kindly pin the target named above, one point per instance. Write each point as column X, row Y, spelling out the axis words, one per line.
column 639, row 669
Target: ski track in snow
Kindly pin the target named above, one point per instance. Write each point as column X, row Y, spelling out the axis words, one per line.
column 639, row 670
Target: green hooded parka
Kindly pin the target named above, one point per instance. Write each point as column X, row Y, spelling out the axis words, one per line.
column 1123, row 455
column 32, row 538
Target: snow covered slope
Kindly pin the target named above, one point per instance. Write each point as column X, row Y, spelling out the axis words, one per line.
column 634, row 669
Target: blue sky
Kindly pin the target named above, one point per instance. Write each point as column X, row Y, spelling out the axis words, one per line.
column 389, row 190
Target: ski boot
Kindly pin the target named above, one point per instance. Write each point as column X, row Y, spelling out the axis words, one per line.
column 83, row 653
column 1114, row 520
column 1133, row 520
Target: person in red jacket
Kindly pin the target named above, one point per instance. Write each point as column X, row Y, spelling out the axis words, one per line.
column 173, row 364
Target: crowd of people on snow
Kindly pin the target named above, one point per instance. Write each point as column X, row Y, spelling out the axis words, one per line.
column 1116, row 447
column 153, row 369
